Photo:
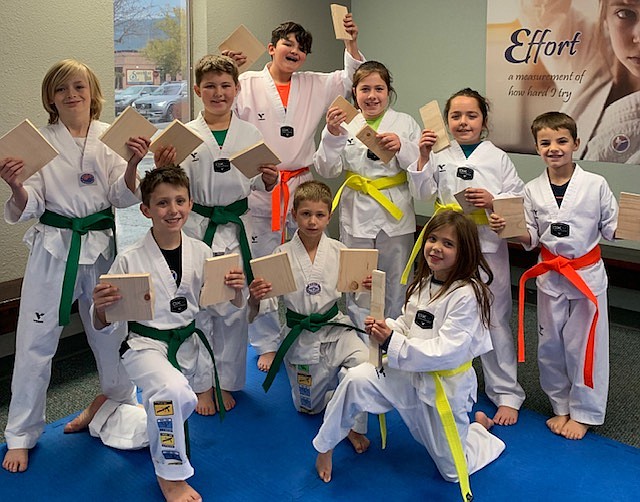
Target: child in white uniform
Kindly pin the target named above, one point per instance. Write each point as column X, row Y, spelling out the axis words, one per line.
column 376, row 206
column 162, row 355
column 221, row 216
column 78, row 187
column 568, row 210
column 484, row 172
column 444, row 325
column 287, row 105
column 314, row 357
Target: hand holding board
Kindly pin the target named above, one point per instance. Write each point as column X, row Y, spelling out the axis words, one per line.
column 432, row 120
column 129, row 124
column 215, row 290
column 355, row 266
column 337, row 15
column 178, row 135
column 244, row 41
column 26, row 143
column 368, row 136
column 346, row 107
column 137, row 299
column 512, row 210
column 250, row 159
column 275, row 269
column 467, row 207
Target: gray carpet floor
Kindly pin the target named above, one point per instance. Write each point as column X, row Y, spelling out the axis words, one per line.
column 74, row 381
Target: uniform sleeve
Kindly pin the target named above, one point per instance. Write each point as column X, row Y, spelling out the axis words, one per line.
column 409, row 150
column 532, row 224
column 512, row 185
column 35, row 202
column 328, row 157
column 449, row 349
column 423, row 185
column 608, row 212
column 119, row 194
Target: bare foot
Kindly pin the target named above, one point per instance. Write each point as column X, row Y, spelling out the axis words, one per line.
column 360, row 442
column 82, row 421
column 16, row 460
column 484, row 420
column 227, row 399
column 177, row 491
column 265, row 360
column 556, row 423
column 505, row 415
column 323, row 465
column 206, row 405
column 574, row 430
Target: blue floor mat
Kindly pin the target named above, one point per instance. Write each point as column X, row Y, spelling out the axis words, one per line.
column 262, row 451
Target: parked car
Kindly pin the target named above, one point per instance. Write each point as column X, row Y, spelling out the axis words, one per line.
column 165, row 103
column 127, row 96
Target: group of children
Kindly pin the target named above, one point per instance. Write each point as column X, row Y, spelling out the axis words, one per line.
column 456, row 307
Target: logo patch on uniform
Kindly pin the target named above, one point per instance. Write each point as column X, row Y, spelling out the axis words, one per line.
column 178, row 304
column 261, row 116
column 165, row 424
column 304, row 379
column 305, row 403
column 560, row 229
column 313, row 288
column 87, row 179
column 350, row 141
column 167, row 440
column 221, row 165
column 424, row 319
column 163, row 408
column 194, row 157
column 372, row 156
column 441, row 168
column 620, row 143
column 304, row 390
column 286, row 132
column 171, row 455
column 38, row 317
column 465, row 173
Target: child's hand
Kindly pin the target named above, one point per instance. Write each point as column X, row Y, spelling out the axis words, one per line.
column 10, row 169
column 335, row 117
column 139, row 147
column 389, row 141
column 269, row 175
column 258, row 289
column 238, row 56
column 350, row 26
column 428, row 138
column 496, row 222
column 367, row 282
column 104, row 295
column 235, row 279
column 165, row 156
column 377, row 329
column 479, row 197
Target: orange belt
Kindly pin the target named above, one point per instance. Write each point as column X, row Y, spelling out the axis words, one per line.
column 278, row 219
column 567, row 268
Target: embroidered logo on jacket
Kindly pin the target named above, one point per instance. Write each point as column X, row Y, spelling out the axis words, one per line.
column 560, row 229
column 424, row 319
column 465, row 173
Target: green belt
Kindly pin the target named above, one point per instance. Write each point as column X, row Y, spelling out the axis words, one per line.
column 221, row 215
column 102, row 220
column 298, row 322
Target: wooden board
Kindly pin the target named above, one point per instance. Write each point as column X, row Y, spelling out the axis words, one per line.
column 275, row 269
column 137, row 297
column 215, row 290
column 355, row 266
column 129, row 124
column 178, row 135
column 244, row 41
column 467, row 207
column 629, row 217
column 377, row 312
column 432, row 119
column 368, row 136
column 346, row 107
column 249, row 160
column 512, row 210
column 26, row 143
column 337, row 15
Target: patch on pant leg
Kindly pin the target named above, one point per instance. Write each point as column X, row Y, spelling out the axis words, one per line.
column 163, row 408
column 172, row 455
column 165, row 424
column 167, row 440
column 304, row 387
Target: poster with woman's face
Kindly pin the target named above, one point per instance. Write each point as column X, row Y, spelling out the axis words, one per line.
column 580, row 57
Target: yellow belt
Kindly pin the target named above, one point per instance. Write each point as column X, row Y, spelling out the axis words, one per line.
column 479, row 216
column 372, row 188
column 450, row 429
